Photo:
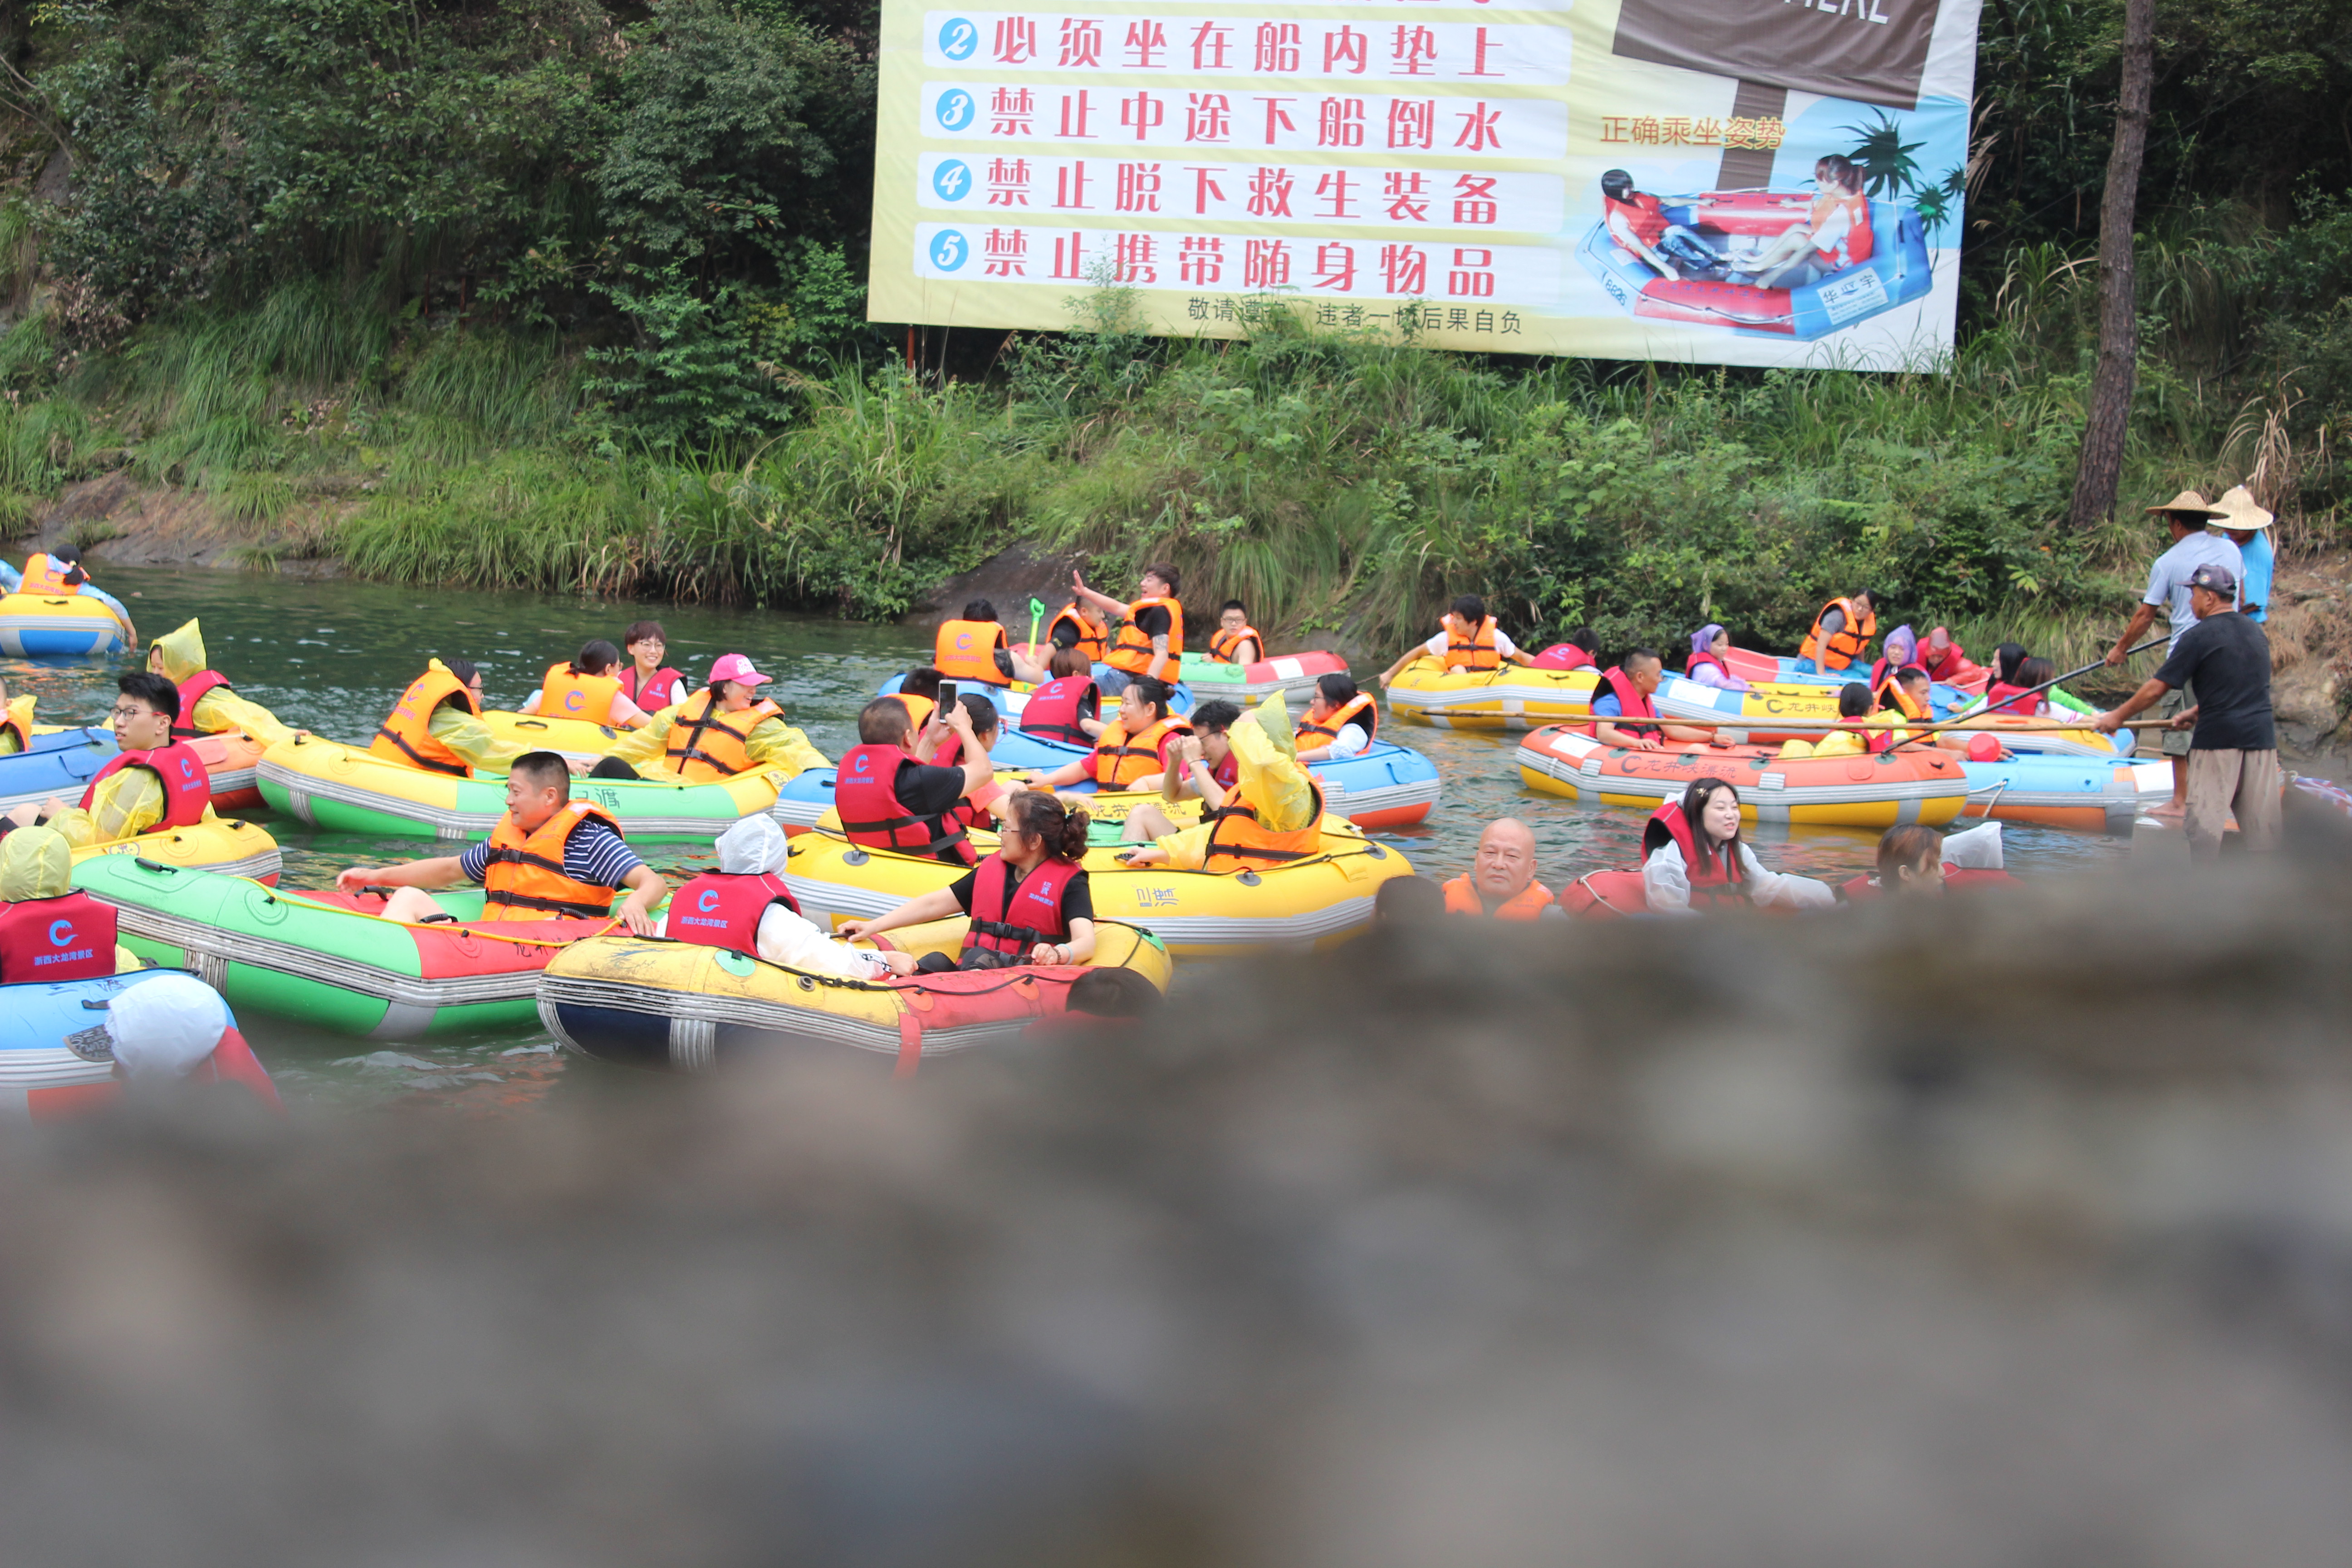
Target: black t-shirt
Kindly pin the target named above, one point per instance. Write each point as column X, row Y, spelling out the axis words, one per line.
column 2227, row 659
column 1077, row 903
column 1152, row 621
column 928, row 791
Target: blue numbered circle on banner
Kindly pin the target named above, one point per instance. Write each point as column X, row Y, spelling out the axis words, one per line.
column 955, row 109
column 949, row 249
column 952, row 180
column 958, row 38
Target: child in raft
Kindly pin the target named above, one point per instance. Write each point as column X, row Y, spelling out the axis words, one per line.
column 1029, row 902
column 1693, row 858
column 1710, row 645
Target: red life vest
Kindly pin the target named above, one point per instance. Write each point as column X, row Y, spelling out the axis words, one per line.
column 187, row 787
column 70, row 937
column 1643, row 215
column 865, row 794
column 1874, row 739
column 2000, row 697
column 721, row 908
column 1012, row 920
column 1945, row 664
column 193, row 690
column 1858, row 243
column 1712, row 885
column 1563, row 656
column 1463, row 898
column 1055, row 709
column 1633, row 703
column 1690, row 665
column 653, row 693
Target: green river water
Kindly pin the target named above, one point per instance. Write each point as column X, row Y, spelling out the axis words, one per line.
column 331, row 656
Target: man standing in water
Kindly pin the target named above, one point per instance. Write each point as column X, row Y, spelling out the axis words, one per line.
column 2233, row 743
column 2193, row 545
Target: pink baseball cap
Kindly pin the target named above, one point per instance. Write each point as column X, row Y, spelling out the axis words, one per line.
column 735, row 667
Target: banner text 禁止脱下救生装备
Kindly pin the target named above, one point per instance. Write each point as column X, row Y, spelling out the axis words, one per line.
column 1746, row 182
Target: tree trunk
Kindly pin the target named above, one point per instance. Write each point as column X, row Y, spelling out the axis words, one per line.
column 2111, row 384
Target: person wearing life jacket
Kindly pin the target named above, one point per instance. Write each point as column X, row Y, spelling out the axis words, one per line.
column 1944, row 659
column 1150, row 643
column 1693, row 858
column 1072, row 627
column 1202, row 765
column 2018, row 697
column 972, row 649
column 645, row 679
column 1501, row 882
column 1235, row 641
column 58, row 573
column 1637, row 223
column 1710, row 647
column 551, row 858
column 721, row 731
column 1862, row 728
column 1272, row 817
column 745, row 907
column 170, row 1032
column 888, row 799
column 152, row 784
column 437, row 725
column 1914, row 859
column 941, row 745
column 1624, row 693
column 1573, row 653
column 209, row 705
column 1028, row 903
column 48, row 929
column 1841, row 634
column 586, row 689
column 1470, row 641
column 1068, row 707
column 1833, row 235
column 1901, row 647
column 1340, row 722
column 1132, row 750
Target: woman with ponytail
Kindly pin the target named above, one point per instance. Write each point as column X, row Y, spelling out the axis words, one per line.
column 1029, row 902
column 586, row 689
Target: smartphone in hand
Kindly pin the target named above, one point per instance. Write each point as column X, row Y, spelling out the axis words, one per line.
column 947, row 696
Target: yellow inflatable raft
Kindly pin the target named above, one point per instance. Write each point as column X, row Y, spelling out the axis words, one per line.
column 352, row 791
column 223, row 843
column 650, row 1002
column 570, row 737
column 1318, row 902
column 37, row 625
column 1511, row 698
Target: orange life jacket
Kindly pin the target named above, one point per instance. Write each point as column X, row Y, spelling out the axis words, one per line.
column 1238, row 838
column 1357, row 709
column 1461, row 897
column 1131, row 650
column 707, row 743
column 1120, row 761
column 919, row 710
column 525, row 880
column 407, row 736
column 1092, row 637
column 1851, row 640
column 1478, row 653
column 966, row 651
column 1222, row 643
column 564, row 695
column 45, row 573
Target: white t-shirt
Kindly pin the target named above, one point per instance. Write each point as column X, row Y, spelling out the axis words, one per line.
column 794, row 941
column 1665, row 883
column 1349, row 742
column 2168, row 580
column 1437, row 645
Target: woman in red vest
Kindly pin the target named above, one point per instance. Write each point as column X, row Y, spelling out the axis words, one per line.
column 648, row 682
column 1029, row 902
column 1067, row 708
column 1693, row 858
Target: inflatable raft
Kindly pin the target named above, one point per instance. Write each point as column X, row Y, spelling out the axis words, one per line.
column 51, row 1067
column 1511, row 698
column 645, row 1002
column 223, row 843
column 1891, row 789
column 566, row 737
column 351, row 791
column 315, row 957
column 1735, row 225
column 2084, row 793
column 1780, row 669
column 1010, row 699
column 1319, row 901
column 34, row 626
column 1384, row 785
column 62, row 762
column 1249, row 683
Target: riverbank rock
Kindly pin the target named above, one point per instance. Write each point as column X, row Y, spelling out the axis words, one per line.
column 2008, row 1230
column 118, row 518
column 1008, row 580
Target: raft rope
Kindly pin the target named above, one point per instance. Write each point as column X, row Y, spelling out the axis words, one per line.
column 447, row 929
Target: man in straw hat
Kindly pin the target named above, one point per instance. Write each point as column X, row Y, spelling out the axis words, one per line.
column 2232, row 739
column 2247, row 526
column 2193, row 545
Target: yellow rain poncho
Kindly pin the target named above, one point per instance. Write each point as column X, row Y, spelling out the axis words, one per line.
column 1271, row 783
column 127, row 802
column 178, row 656
column 772, row 744
column 34, row 863
column 21, row 710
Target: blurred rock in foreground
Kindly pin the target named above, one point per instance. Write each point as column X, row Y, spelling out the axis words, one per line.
column 2014, row 1232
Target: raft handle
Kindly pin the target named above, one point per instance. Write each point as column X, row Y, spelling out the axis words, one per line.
column 856, row 857
column 144, row 864
column 1249, row 878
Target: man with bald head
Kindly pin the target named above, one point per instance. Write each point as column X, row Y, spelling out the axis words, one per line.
column 1501, row 882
